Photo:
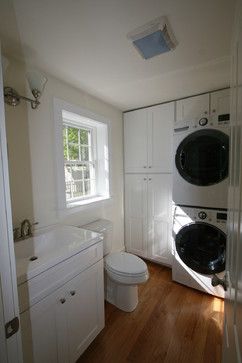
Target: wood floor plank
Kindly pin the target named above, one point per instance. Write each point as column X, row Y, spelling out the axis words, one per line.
column 172, row 323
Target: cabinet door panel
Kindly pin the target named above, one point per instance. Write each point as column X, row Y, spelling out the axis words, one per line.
column 192, row 108
column 220, row 104
column 136, row 214
column 135, row 141
column 85, row 313
column 160, row 137
column 43, row 330
column 159, row 217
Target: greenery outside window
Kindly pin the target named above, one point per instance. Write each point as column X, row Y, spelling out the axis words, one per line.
column 79, row 163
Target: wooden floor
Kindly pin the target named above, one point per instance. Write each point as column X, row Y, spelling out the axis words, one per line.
column 172, row 323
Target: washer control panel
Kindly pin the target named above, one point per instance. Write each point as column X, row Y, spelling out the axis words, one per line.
column 202, row 215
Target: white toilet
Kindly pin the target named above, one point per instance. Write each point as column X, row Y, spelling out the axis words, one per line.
column 123, row 271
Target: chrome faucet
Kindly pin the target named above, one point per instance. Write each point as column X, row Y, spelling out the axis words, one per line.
column 25, row 230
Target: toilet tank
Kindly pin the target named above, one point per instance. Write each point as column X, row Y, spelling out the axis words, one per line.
column 104, row 227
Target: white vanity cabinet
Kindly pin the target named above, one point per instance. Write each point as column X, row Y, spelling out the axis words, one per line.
column 59, row 327
column 148, row 215
column 148, row 139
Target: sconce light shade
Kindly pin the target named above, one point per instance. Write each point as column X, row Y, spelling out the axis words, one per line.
column 36, row 82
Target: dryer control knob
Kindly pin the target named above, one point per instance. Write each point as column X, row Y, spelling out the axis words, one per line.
column 203, row 121
column 202, row 215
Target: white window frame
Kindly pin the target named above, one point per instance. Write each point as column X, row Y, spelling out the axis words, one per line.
column 94, row 154
column 102, row 128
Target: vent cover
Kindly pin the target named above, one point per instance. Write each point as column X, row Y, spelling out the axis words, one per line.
column 153, row 38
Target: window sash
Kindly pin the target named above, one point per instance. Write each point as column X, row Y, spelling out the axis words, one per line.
column 86, row 186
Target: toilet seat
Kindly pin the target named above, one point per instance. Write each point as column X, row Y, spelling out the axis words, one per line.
column 126, row 268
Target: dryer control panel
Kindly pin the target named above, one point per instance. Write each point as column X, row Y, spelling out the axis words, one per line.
column 185, row 215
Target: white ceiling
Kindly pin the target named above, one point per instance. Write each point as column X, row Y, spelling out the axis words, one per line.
column 84, row 43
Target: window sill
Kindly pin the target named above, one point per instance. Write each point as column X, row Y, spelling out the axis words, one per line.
column 86, row 202
column 82, row 205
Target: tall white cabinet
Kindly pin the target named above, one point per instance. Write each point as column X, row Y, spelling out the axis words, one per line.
column 148, row 181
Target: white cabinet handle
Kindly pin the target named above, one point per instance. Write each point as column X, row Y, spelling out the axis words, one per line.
column 63, row 301
column 73, row 292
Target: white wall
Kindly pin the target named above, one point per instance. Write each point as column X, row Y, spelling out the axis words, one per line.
column 40, row 190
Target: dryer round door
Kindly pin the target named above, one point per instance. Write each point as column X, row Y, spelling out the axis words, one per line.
column 202, row 158
column 202, row 247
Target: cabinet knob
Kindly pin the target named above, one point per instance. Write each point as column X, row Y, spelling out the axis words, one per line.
column 214, row 110
column 63, row 301
column 150, row 178
column 145, row 178
column 149, row 167
column 73, row 292
column 144, row 167
column 205, row 112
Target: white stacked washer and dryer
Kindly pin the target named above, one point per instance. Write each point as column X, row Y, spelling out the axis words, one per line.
column 200, row 189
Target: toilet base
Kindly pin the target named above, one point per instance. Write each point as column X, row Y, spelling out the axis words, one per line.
column 124, row 297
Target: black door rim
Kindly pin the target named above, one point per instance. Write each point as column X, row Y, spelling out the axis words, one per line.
column 211, row 267
column 207, row 178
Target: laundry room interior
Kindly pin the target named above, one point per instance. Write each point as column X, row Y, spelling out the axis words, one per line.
column 121, row 181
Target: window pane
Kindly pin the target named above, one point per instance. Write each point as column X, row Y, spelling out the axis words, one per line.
column 78, row 189
column 73, row 152
column 86, row 171
column 65, row 143
column 77, row 172
column 87, row 187
column 84, row 137
column 73, row 135
column 68, row 190
column 85, row 153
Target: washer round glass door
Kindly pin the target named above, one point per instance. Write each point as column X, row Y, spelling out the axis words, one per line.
column 202, row 158
column 202, row 247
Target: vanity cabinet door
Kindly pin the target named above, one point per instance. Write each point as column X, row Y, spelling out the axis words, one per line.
column 85, row 309
column 61, row 326
column 43, row 330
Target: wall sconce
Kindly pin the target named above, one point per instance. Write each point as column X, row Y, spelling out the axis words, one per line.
column 36, row 83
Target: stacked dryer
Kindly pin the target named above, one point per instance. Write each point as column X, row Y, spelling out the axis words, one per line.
column 200, row 189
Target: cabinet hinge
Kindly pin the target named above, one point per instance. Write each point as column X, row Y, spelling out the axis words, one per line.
column 12, row 327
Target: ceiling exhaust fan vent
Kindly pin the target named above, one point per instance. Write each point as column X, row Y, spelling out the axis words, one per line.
column 153, row 38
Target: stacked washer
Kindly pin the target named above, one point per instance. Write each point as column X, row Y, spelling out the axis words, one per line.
column 200, row 189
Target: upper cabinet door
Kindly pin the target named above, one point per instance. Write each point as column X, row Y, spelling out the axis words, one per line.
column 192, row 108
column 135, row 141
column 160, row 136
column 220, row 106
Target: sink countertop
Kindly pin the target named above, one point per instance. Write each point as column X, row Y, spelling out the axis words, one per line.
column 50, row 247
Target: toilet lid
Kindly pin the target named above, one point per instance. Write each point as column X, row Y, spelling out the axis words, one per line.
column 125, row 263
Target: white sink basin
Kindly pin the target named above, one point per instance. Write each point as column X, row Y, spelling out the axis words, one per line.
column 50, row 248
